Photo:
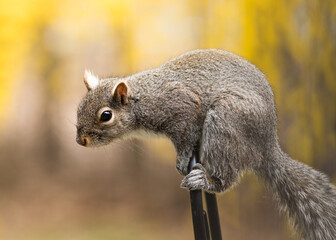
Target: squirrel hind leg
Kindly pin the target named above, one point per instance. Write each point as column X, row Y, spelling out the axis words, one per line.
column 222, row 152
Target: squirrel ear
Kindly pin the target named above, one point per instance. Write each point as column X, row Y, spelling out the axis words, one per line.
column 90, row 80
column 120, row 93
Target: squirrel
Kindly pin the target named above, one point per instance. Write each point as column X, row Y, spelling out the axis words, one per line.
column 224, row 104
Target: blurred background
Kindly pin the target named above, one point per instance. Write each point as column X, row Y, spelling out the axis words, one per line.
column 52, row 188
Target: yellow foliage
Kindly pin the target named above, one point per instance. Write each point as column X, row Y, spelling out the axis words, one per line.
column 47, row 45
column 293, row 42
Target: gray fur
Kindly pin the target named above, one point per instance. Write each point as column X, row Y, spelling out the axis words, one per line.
column 226, row 103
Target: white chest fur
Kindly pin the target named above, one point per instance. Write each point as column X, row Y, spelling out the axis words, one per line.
column 141, row 133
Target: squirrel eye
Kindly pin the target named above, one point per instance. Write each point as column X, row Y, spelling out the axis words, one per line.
column 106, row 116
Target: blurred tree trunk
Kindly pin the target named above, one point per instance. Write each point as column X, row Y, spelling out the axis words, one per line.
column 48, row 69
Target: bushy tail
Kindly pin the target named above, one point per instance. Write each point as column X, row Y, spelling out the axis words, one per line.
column 305, row 194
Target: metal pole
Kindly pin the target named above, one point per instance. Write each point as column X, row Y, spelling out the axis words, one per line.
column 199, row 216
column 201, row 229
column 214, row 223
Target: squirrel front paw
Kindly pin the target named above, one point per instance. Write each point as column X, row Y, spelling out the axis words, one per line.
column 182, row 165
column 196, row 179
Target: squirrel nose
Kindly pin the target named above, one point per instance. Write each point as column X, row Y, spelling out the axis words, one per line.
column 82, row 140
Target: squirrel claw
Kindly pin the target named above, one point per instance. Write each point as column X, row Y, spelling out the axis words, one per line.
column 196, row 179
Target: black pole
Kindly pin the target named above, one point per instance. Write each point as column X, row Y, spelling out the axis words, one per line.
column 200, row 224
column 214, row 223
column 199, row 216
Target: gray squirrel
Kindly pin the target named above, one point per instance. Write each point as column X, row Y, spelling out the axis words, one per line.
column 223, row 103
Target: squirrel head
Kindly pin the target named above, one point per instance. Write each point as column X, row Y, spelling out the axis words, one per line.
column 105, row 113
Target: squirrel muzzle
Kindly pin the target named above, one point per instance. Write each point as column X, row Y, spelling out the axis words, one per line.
column 84, row 141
